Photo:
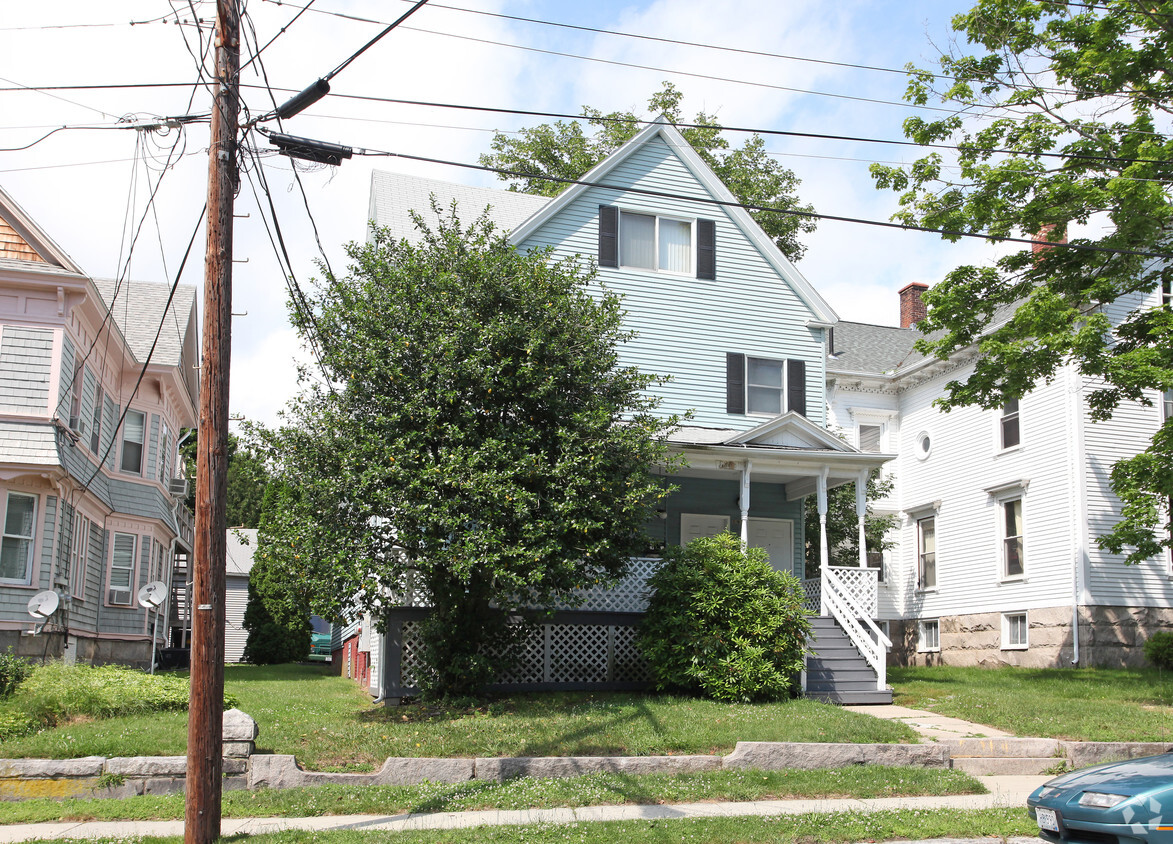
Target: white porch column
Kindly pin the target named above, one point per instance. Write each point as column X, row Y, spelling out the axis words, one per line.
column 824, row 556
column 744, row 503
column 861, row 511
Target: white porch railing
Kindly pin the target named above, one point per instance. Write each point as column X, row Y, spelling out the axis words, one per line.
column 850, row 596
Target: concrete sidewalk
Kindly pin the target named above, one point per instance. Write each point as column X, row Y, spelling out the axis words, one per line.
column 1004, row 791
column 930, row 725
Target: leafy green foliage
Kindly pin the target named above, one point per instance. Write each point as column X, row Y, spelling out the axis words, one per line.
column 1158, row 650
column 478, row 440
column 843, row 524
column 723, row 623
column 56, row 693
column 277, row 615
column 563, row 151
column 13, row 671
column 248, row 478
column 1078, row 103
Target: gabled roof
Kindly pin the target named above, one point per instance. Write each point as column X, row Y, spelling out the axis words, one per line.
column 395, row 195
column 22, row 241
column 138, row 308
column 712, row 185
column 787, row 430
column 872, row 349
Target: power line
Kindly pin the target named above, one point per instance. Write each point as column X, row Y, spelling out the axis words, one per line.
column 420, row 4
column 763, row 208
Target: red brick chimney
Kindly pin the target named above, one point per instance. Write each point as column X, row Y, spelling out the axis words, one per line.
column 912, row 309
column 1042, row 242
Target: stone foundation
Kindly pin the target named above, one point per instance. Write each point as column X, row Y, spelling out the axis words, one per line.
column 86, row 650
column 1109, row 637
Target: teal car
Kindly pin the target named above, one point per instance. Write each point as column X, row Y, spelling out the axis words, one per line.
column 320, row 647
column 1128, row 802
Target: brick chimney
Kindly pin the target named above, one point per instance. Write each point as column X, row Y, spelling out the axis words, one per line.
column 912, row 309
column 1042, row 242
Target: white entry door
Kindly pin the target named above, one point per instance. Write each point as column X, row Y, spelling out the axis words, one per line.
column 695, row 525
column 777, row 537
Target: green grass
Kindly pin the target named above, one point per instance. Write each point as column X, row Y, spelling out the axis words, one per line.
column 831, row 828
column 328, row 723
column 524, row 793
column 1084, row 704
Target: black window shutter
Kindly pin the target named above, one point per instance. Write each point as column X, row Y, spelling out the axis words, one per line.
column 608, row 236
column 796, row 386
column 734, row 382
column 706, row 249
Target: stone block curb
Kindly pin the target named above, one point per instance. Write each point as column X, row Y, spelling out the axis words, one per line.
column 775, row 756
column 1080, row 754
column 282, row 771
column 505, row 768
column 995, row 766
column 1002, row 747
column 87, row 766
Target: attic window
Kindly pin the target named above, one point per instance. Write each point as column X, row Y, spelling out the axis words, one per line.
column 652, row 242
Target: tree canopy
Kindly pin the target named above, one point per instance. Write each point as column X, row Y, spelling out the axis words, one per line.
column 541, row 155
column 476, row 439
column 1062, row 129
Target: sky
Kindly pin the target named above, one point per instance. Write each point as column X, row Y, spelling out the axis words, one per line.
column 89, row 186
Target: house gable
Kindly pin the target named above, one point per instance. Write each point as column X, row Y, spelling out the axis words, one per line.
column 24, row 242
column 757, row 306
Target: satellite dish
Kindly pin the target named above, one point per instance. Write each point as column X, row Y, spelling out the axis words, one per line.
column 153, row 595
column 43, row 604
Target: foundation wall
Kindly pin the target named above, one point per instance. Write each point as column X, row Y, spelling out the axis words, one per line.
column 1109, row 637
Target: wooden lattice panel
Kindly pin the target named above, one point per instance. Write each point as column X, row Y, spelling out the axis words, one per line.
column 627, row 661
column 531, row 664
column 578, row 653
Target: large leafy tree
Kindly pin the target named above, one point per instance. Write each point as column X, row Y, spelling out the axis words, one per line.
column 1070, row 105
column 476, row 439
column 564, row 151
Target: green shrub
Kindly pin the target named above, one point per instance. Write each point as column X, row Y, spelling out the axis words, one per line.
column 55, row 693
column 14, row 723
column 13, row 671
column 1158, row 650
column 721, row 622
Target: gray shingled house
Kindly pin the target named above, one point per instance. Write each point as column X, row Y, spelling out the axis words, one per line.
column 90, row 422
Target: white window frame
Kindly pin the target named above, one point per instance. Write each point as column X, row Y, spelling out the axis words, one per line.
column 164, row 452
column 79, row 555
column 1004, row 538
column 1008, row 629
column 31, row 538
column 96, row 421
column 1010, row 416
column 76, row 388
column 782, row 390
column 142, row 445
column 132, row 570
column 691, row 222
column 921, row 585
column 879, row 436
column 923, row 636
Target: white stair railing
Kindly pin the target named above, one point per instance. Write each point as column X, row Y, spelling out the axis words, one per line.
column 842, row 599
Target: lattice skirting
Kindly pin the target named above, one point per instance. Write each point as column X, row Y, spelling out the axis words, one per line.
column 573, row 651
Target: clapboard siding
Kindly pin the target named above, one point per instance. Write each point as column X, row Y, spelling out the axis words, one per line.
column 235, row 636
column 65, row 382
column 152, row 451
column 26, row 363
column 109, row 421
column 684, row 325
column 83, row 612
column 965, row 460
column 43, row 573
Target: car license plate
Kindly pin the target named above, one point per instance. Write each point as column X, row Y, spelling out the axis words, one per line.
column 1047, row 819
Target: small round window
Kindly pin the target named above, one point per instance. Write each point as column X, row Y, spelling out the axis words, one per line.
column 924, row 445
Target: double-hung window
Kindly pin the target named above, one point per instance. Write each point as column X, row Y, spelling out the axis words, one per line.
column 164, row 453
column 929, row 635
column 79, row 555
column 1009, row 425
column 96, row 422
column 16, row 547
column 76, row 423
column 926, row 553
column 133, row 431
column 1015, row 631
column 765, row 386
column 1013, row 560
column 655, row 243
column 122, row 569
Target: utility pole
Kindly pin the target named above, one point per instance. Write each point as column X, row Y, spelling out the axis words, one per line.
column 205, row 729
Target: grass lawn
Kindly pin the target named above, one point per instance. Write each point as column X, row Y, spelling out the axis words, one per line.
column 524, row 793
column 328, row 723
column 1084, row 704
column 835, row 828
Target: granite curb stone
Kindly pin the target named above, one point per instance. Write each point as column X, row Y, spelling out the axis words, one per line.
column 504, row 768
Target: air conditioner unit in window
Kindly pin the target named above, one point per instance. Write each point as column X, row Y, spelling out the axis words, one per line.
column 76, row 423
column 119, row 596
column 178, row 487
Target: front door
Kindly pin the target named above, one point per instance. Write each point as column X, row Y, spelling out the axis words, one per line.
column 776, row 536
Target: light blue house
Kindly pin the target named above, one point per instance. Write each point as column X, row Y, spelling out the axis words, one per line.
column 743, row 336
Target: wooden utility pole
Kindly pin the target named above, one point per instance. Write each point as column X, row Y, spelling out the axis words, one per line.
column 205, row 729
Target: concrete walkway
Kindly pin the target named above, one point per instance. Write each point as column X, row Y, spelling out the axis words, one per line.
column 1004, row 791
column 930, row 725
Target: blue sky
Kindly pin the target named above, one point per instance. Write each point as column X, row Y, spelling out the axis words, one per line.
column 84, row 204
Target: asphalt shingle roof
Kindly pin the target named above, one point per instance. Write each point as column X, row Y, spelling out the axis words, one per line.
column 395, row 195
column 875, row 349
column 138, row 309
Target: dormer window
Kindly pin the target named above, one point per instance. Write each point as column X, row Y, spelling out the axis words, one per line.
column 658, row 243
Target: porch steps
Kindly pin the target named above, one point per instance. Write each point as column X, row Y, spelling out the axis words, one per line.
column 837, row 672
